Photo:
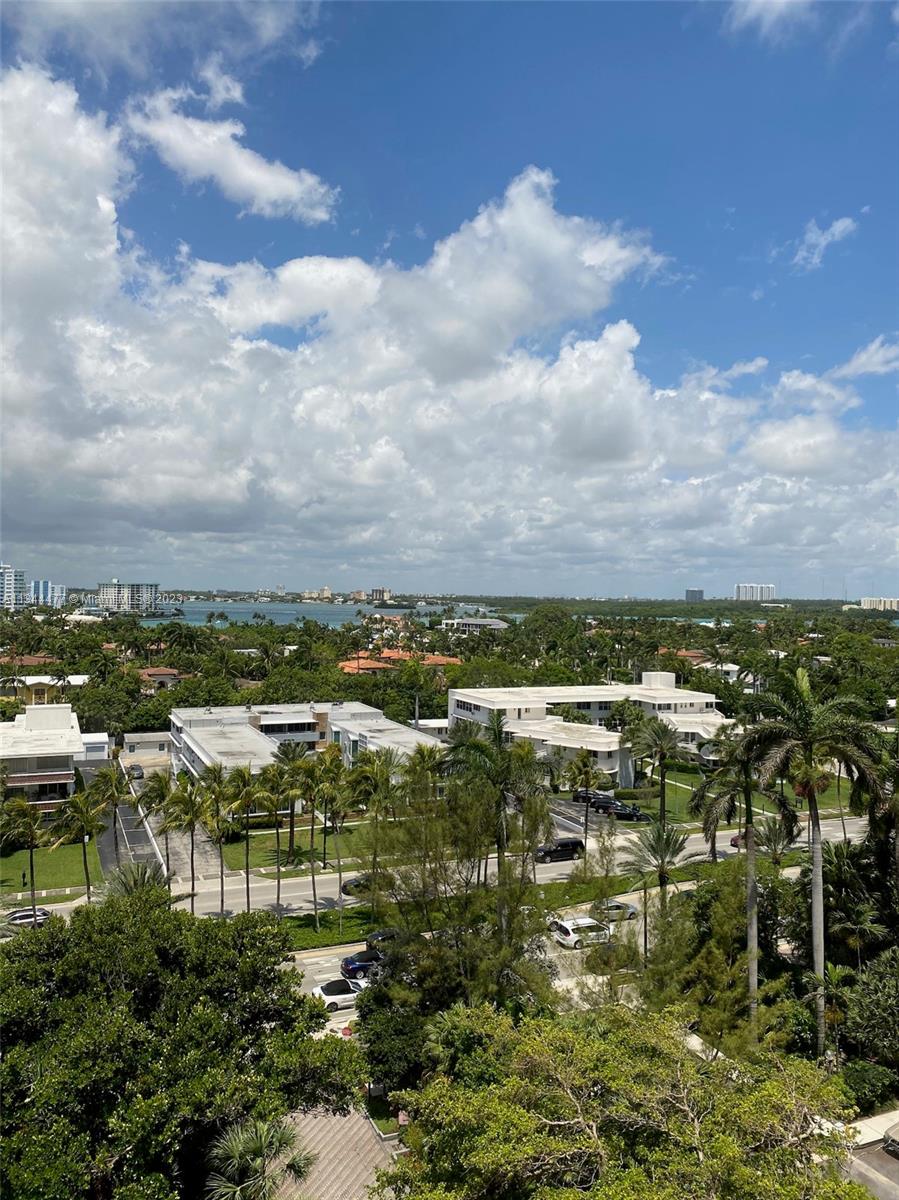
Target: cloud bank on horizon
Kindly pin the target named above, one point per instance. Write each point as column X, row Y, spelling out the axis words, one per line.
column 471, row 420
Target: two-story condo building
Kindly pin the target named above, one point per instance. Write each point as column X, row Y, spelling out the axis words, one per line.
column 693, row 714
column 41, row 748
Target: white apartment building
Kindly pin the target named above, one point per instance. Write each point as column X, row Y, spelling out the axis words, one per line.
column 880, row 603
column 754, row 591
column 694, row 715
column 472, row 624
column 553, row 733
column 127, row 597
column 13, row 595
column 41, row 748
column 381, row 595
column 241, row 735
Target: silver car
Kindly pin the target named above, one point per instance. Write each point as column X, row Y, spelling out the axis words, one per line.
column 340, row 993
column 617, row 910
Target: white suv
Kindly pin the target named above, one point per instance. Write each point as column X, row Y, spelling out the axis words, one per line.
column 340, row 993
column 577, row 932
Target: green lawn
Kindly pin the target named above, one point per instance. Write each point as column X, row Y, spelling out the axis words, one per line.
column 382, row 1114
column 357, row 923
column 52, row 868
column 678, row 797
column 262, row 847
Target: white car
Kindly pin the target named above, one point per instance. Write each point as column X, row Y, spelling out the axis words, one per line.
column 578, row 932
column 340, row 993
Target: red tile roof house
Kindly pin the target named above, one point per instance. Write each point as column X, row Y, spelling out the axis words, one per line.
column 158, row 679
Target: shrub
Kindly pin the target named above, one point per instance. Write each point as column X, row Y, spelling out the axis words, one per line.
column 638, row 795
column 871, row 1085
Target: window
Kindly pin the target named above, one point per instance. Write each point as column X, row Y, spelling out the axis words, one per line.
column 583, row 705
column 160, row 745
column 663, row 707
column 132, row 749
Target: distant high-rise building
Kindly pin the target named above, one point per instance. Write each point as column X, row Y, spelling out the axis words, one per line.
column 127, row 597
column 881, row 603
column 13, row 595
column 380, row 595
column 324, row 593
column 42, row 591
column 692, row 595
column 754, row 591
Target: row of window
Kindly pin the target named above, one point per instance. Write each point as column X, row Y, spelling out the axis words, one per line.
column 467, row 706
column 290, row 727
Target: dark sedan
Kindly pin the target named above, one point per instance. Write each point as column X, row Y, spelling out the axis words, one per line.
column 361, row 964
column 361, row 885
column 380, row 937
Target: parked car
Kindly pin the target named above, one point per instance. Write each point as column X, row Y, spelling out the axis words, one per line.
column 361, row 885
column 617, row 910
column 629, row 812
column 561, row 850
column 891, row 1140
column 26, row 916
column 135, row 771
column 592, row 797
column 361, row 965
column 379, row 938
column 340, row 993
column 577, row 932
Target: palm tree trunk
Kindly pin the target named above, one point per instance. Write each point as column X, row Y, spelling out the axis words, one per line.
column 87, row 874
column 292, row 831
column 221, row 875
column 246, row 850
column 662, row 797
column 817, row 916
column 713, row 843
column 168, row 870
column 115, row 830
column 840, row 800
column 752, row 909
column 31, row 880
column 312, row 862
column 278, row 866
column 339, row 883
column 192, row 875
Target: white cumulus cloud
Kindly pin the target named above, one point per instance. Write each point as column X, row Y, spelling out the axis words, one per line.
column 205, row 150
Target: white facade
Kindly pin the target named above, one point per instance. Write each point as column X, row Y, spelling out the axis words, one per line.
column 754, row 591
column 127, row 597
column 880, row 603
column 603, row 745
column 686, row 711
column 40, row 749
column 250, row 735
column 472, row 624
column 13, row 595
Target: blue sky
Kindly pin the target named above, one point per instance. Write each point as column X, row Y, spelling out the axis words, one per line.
column 549, row 403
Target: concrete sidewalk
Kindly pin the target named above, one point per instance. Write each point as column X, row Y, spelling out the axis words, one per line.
column 872, row 1129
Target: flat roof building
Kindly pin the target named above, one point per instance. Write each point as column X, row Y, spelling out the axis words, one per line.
column 40, row 748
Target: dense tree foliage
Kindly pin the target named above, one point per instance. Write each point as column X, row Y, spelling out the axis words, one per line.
column 613, row 1105
column 134, row 1035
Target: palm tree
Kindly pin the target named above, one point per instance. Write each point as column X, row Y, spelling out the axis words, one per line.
column 80, row 816
column 308, row 772
column 22, row 824
column 657, row 850
column 217, row 818
column 102, row 665
column 290, row 754
column 775, row 835
column 582, row 774
column 800, row 738
column 858, row 925
column 154, row 800
column 254, row 1159
column 656, row 740
column 373, row 784
column 334, row 786
column 270, row 798
column 184, row 813
column 834, row 984
column 133, row 877
column 110, row 788
column 243, row 786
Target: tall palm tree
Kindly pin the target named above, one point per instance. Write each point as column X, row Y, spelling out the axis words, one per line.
column 275, row 787
column 657, row 850
column 184, row 813
column 80, row 816
column 102, row 665
column 656, row 740
column 243, row 786
column 254, row 1159
column 217, row 817
column 290, row 755
column 373, row 781
column 580, row 774
column 800, row 738
column 22, row 824
column 154, row 799
column 110, row 788
column 834, row 984
column 308, row 774
column 333, row 786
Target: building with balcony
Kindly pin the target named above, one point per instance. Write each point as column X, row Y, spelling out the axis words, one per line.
column 472, row 624
column 40, row 750
column 880, row 603
column 127, row 597
column 754, row 591
column 13, row 595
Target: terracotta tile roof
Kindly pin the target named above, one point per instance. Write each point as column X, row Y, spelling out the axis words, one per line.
column 155, row 672
column 28, row 660
column 365, row 666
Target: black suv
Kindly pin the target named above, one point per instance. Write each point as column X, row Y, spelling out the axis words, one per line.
column 561, row 850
